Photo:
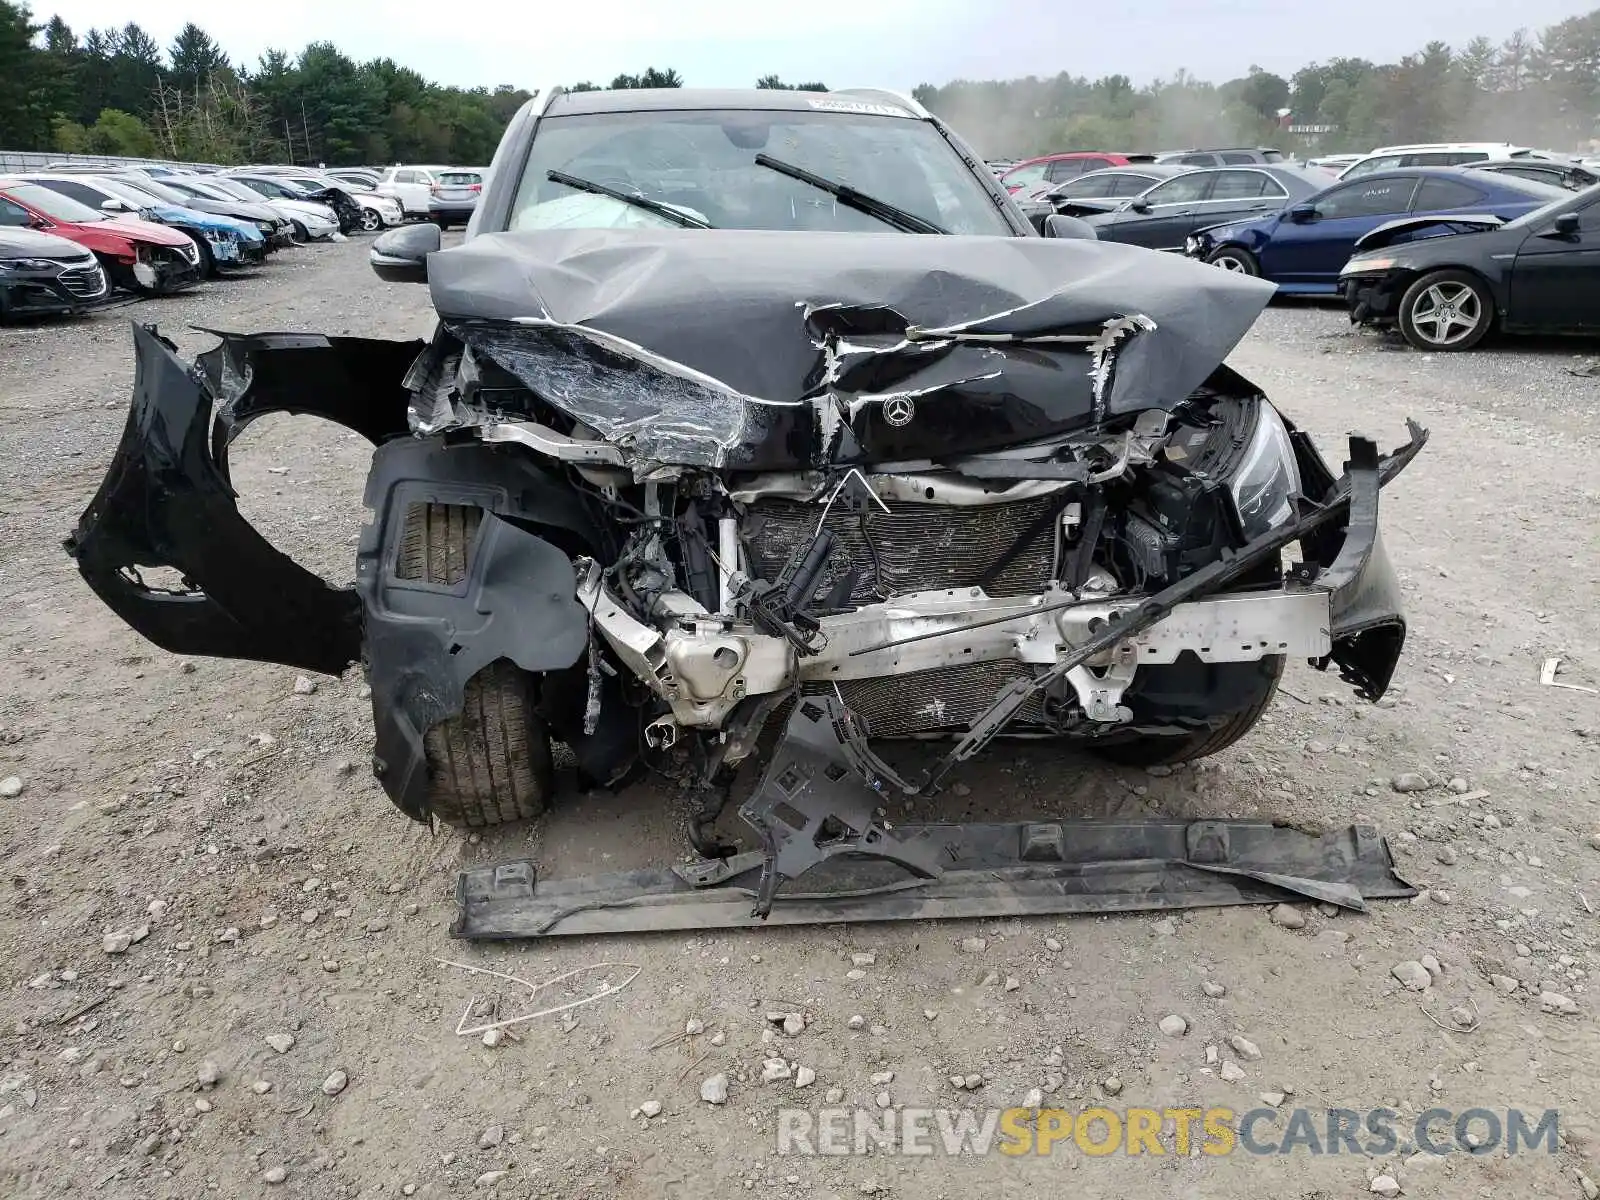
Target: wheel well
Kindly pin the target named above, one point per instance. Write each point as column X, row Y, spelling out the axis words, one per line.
column 1409, row 277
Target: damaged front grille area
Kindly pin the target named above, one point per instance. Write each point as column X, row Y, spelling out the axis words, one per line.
column 1007, row 549
column 86, row 282
column 939, row 700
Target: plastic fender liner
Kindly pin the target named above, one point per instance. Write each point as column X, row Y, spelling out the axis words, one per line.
column 165, row 502
column 518, row 599
column 355, row 382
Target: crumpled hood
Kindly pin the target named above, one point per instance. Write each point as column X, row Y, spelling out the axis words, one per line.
column 173, row 214
column 676, row 341
column 137, row 229
column 239, row 210
column 1389, row 231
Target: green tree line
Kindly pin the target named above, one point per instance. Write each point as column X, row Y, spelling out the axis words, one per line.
column 1537, row 89
column 117, row 91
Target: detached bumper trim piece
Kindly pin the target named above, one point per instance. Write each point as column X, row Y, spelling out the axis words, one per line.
column 998, row 870
column 166, row 503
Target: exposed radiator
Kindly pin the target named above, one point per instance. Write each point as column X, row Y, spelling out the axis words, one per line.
column 941, row 699
column 914, row 547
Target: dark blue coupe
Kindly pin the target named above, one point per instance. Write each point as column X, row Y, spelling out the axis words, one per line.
column 1302, row 248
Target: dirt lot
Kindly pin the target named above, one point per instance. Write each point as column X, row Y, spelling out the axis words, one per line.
column 294, row 917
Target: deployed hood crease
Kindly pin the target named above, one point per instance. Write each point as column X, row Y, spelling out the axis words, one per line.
column 709, row 348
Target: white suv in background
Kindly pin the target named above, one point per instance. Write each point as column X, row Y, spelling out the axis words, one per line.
column 1436, row 154
column 412, row 186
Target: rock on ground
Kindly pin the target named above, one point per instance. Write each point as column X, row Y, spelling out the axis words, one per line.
column 1412, row 975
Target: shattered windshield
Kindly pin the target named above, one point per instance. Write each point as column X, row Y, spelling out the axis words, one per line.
column 704, row 163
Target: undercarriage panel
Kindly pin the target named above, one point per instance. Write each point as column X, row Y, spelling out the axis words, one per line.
column 997, row 870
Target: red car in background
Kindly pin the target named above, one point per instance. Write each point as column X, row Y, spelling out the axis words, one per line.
column 139, row 256
column 1054, row 168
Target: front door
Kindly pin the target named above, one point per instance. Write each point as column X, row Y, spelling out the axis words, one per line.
column 1314, row 249
column 1555, row 281
column 1241, row 195
column 1170, row 217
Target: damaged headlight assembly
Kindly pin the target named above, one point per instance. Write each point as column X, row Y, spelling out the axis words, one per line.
column 1266, row 483
column 848, row 507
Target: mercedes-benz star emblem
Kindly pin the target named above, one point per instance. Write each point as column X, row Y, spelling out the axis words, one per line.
column 899, row 411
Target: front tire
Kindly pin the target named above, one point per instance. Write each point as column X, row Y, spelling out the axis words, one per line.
column 1446, row 310
column 1236, row 259
column 301, row 234
column 1152, row 750
column 491, row 764
column 371, row 220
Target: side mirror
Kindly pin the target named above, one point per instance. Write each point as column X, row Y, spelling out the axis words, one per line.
column 1301, row 213
column 1139, row 205
column 1058, row 226
column 1566, row 225
column 401, row 255
column 38, row 223
column 113, row 206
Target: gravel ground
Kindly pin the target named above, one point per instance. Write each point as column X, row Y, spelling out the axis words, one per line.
column 217, row 965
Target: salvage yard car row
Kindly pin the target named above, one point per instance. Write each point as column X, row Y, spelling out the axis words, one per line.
column 72, row 239
column 1444, row 254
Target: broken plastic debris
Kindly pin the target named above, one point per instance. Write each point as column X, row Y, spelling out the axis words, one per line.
column 1547, row 676
column 607, row 988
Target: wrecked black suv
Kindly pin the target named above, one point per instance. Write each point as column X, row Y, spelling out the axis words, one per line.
column 766, row 411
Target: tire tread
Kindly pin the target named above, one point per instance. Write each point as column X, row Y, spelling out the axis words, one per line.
column 490, row 765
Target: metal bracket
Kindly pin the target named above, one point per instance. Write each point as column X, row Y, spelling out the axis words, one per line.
column 1100, row 694
column 817, row 799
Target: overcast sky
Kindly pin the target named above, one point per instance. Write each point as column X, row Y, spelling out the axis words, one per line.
column 889, row 43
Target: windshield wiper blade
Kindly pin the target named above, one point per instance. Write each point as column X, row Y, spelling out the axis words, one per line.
column 906, row 222
column 674, row 215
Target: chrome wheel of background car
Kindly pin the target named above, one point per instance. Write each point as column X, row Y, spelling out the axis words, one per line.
column 1446, row 313
column 371, row 219
column 1235, row 259
column 1447, row 310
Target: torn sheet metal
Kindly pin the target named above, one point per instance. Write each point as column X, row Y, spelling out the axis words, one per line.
column 722, row 349
column 632, row 397
column 998, row 870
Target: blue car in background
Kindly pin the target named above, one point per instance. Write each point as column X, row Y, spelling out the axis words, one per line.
column 1302, row 248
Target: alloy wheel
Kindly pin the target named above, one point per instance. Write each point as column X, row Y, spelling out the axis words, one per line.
column 371, row 219
column 1447, row 313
